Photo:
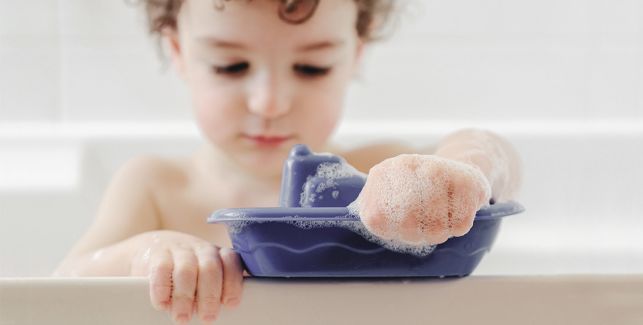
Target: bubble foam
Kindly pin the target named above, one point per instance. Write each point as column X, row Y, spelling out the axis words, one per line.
column 329, row 172
column 346, row 222
column 359, row 229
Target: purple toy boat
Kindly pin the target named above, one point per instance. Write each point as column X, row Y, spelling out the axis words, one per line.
column 314, row 234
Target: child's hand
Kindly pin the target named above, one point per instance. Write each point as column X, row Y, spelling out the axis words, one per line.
column 422, row 199
column 188, row 274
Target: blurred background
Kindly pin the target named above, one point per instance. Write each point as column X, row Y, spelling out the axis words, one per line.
column 82, row 89
column 75, row 60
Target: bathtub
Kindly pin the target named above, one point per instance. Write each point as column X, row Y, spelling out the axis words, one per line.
column 577, row 251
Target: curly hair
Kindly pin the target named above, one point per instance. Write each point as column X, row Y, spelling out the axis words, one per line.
column 372, row 15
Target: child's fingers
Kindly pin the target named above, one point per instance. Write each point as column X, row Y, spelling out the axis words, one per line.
column 160, row 276
column 367, row 203
column 232, row 277
column 371, row 215
column 463, row 207
column 376, row 222
column 472, row 193
column 209, row 285
column 185, row 277
column 411, row 228
column 434, row 221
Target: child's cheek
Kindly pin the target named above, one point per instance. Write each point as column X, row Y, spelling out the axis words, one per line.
column 319, row 115
column 322, row 124
column 212, row 115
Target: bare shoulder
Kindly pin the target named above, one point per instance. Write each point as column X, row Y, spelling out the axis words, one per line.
column 367, row 156
column 140, row 188
column 153, row 171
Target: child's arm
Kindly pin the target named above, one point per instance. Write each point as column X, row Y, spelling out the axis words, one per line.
column 127, row 209
column 126, row 239
column 428, row 198
column 496, row 158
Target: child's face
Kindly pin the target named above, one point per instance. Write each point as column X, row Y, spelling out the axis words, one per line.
column 281, row 84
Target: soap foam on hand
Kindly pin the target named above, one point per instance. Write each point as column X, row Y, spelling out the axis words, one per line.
column 421, row 200
column 394, row 244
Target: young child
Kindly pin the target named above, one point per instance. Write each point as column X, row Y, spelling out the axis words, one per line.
column 265, row 75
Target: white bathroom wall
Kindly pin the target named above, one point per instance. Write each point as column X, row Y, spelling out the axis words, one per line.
column 64, row 60
column 476, row 59
column 29, row 60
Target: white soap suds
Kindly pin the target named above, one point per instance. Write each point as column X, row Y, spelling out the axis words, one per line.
column 237, row 227
column 358, row 228
column 329, row 172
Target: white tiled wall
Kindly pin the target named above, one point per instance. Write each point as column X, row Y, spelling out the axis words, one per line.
column 29, row 60
column 474, row 59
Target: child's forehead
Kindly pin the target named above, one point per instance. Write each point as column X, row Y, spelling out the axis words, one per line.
column 331, row 19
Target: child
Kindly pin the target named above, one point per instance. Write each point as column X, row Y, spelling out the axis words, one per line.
column 265, row 75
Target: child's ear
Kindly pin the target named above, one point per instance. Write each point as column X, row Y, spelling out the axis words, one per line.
column 171, row 38
column 359, row 54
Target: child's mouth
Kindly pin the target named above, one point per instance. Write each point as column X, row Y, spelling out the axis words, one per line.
column 267, row 141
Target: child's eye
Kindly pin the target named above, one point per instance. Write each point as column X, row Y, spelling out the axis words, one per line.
column 311, row 71
column 232, row 69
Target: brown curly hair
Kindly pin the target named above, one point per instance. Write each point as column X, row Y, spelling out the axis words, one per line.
column 372, row 15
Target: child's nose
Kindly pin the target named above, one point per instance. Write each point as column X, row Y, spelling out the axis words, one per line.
column 269, row 97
